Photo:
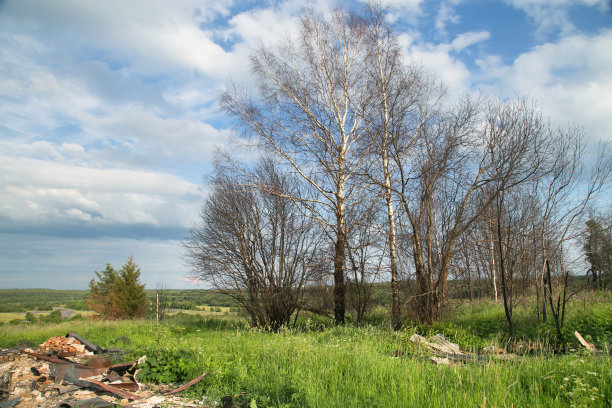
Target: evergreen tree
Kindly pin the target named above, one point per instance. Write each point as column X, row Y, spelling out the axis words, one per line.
column 100, row 292
column 129, row 295
column 118, row 294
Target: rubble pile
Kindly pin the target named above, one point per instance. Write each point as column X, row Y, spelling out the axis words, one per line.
column 62, row 372
column 63, row 346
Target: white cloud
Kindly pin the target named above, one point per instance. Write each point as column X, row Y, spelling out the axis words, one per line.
column 150, row 34
column 446, row 15
column 440, row 58
column 554, row 15
column 571, row 80
column 38, row 191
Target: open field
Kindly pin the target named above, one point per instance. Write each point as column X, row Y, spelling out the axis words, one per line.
column 336, row 367
column 7, row 317
column 314, row 364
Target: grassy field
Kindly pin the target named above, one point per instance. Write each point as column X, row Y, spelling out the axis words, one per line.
column 312, row 366
column 317, row 365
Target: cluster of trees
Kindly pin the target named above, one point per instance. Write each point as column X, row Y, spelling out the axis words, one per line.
column 367, row 171
column 118, row 294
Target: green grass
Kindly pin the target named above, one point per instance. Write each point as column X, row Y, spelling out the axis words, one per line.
column 336, row 367
column 590, row 313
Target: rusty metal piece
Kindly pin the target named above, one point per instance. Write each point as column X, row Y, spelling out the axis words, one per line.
column 88, row 345
column 48, row 358
column 122, row 368
column 99, row 362
column 112, row 376
column 74, row 372
column 189, row 384
column 113, row 389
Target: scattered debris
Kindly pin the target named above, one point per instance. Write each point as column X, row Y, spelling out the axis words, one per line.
column 88, row 403
column 62, row 346
column 10, row 403
column 440, row 360
column 446, row 352
column 59, row 373
column 492, row 350
column 438, row 343
column 89, row 346
column 585, row 343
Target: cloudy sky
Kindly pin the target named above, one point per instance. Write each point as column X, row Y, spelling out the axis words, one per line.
column 108, row 113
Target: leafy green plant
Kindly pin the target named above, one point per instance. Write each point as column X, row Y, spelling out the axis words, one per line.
column 168, row 367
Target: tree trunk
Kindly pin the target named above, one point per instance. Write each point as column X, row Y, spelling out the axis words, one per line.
column 395, row 304
column 340, row 248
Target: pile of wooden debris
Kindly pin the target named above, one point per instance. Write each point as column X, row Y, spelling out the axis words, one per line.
column 442, row 351
column 71, row 372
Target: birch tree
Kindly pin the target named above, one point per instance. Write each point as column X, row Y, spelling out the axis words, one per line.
column 309, row 111
column 398, row 107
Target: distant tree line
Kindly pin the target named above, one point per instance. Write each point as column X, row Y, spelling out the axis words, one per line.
column 365, row 171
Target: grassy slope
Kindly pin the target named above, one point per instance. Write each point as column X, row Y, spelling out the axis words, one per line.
column 338, row 367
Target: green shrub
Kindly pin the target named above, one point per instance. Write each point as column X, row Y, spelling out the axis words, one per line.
column 165, row 366
column 30, row 317
column 53, row 317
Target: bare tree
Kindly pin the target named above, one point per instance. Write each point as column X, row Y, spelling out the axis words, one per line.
column 313, row 92
column 367, row 249
column 564, row 193
column 519, row 139
column 437, row 183
column 397, row 108
column 254, row 245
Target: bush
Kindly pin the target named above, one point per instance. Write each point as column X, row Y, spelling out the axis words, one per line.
column 53, row 317
column 30, row 317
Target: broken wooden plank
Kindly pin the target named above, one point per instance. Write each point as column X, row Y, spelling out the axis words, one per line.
column 585, row 343
column 437, row 343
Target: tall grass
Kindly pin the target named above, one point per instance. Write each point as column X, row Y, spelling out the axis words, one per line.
column 339, row 367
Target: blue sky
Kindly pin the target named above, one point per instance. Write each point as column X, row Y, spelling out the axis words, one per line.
column 108, row 113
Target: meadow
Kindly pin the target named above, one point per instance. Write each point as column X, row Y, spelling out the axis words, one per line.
column 317, row 365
